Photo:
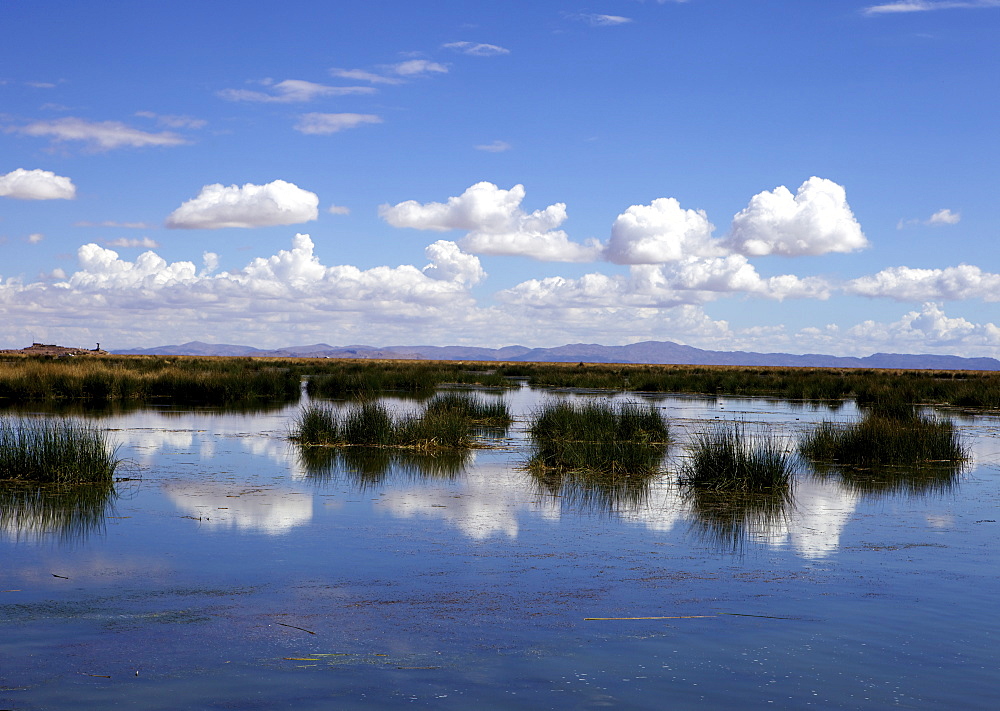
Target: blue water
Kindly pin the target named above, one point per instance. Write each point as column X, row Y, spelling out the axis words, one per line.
column 233, row 576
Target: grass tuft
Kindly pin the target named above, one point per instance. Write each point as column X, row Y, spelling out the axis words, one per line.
column 730, row 458
column 598, row 437
column 372, row 424
column 880, row 440
column 493, row 413
column 55, row 452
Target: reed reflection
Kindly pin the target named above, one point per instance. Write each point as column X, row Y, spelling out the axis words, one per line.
column 69, row 513
column 366, row 467
column 728, row 520
column 889, row 481
column 597, row 491
column 598, row 455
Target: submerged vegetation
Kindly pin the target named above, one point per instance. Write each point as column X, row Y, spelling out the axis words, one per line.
column 55, row 452
column 729, row 457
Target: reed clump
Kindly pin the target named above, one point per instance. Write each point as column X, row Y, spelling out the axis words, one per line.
column 140, row 378
column 372, row 424
column 55, row 452
column 880, row 439
column 485, row 413
column 729, row 457
column 598, row 437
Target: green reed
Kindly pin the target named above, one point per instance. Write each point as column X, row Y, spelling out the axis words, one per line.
column 372, row 424
column 957, row 388
column 55, row 451
column 221, row 380
column 488, row 413
column 878, row 439
column 142, row 378
column 731, row 457
column 600, row 436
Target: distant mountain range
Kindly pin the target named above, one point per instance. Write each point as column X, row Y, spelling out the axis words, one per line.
column 653, row 352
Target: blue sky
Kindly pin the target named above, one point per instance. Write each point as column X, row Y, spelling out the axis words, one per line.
column 770, row 175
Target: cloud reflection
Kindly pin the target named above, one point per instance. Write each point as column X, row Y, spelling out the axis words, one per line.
column 271, row 511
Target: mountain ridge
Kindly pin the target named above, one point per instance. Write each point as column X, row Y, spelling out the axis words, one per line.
column 643, row 352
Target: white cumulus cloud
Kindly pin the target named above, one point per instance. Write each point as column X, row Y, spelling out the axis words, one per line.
column 950, row 284
column 36, row 184
column 945, row 217
column 449, row 263
column 927, row 330
column 217, row 206
column 290, row 292
column 322, row 124
column 496, row 224
column 689, row 282
column 816, row 220
column 660, row 232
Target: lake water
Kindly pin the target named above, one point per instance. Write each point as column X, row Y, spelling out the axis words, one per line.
column 234, row 573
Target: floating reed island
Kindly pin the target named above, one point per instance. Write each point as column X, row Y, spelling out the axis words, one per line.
column 449, row 421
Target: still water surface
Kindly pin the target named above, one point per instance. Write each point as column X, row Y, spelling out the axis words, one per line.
column 238, row 574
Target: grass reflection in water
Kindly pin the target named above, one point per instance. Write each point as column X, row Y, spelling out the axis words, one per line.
column 887, row 481
column 597, row 455
column 365, row 467
column 67, row 512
